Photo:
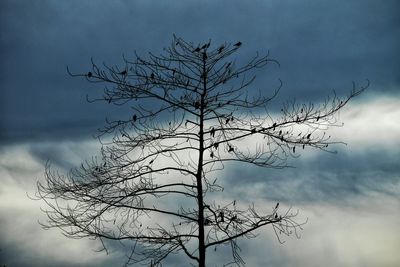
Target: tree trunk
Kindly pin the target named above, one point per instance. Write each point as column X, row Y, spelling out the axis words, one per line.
column 202, row 248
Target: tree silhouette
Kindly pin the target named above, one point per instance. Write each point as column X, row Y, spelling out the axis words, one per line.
column 153, row 188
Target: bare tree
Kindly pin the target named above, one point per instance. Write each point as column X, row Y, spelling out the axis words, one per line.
column 153, row 188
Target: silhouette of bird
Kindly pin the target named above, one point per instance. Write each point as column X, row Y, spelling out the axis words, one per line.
column 273, row 126
column 234, row 202
column 253, row 130
column 238, row 44
column 212, row 132
column 231, row 149
column 197, row 49
column 220, row 49
column 152, row 75
column 123, row 72
column 276, row 216
column 197, row 105
column 294, row 149
column 212, row 154
column 308, row 136
column 89, row 74
column 207, row 221
column 134, row 117
column 204, row 56
column 221, row 214
column 318, row 118
column 280, row 132
column 216, row 145
column 277, row 205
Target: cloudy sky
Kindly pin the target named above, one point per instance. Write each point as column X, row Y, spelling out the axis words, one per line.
column 351, row 199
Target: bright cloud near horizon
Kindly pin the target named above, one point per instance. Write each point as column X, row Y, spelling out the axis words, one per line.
column 351, row 199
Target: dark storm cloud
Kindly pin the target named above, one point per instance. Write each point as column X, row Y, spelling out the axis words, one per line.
column 61, row 156
column 322, row 45
column 10, row 255
column 330, row 178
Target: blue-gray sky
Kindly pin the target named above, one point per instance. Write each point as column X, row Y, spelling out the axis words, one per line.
column 321, row 45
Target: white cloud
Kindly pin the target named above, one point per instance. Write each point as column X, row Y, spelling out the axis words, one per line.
column 361, row 234
column 373, row 122
column 20, row 215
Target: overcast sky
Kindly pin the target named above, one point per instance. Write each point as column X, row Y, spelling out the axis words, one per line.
column 352, row 199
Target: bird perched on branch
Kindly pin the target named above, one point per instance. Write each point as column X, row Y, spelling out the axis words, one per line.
column 124, row 72
column 207, row 221
column 212, row 132
column 238, row 44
